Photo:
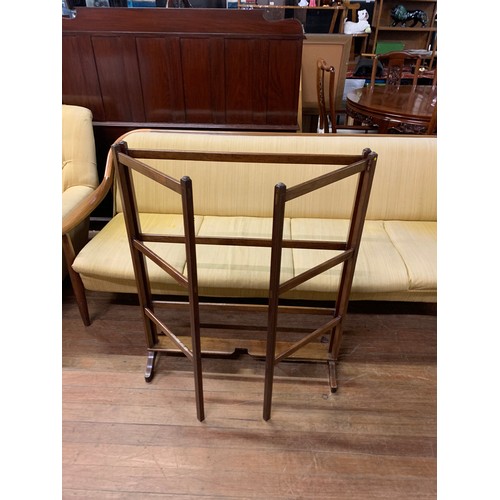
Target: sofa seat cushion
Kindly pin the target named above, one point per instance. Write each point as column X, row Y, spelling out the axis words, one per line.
column 416, row 242
column 396, row 258
column 379, row 267
column 239, row 270
column 105, row 263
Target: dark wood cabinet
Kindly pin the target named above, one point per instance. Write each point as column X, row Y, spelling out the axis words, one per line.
column 183, row 68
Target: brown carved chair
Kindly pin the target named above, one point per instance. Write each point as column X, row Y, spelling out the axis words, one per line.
column 397, row 66
column 327, row 119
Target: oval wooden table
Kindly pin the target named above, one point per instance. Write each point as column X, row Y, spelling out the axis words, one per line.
column 406, row 110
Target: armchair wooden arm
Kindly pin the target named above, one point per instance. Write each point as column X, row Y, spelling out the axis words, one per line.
column 91, row 202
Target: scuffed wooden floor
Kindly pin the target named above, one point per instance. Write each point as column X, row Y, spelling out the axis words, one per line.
column 126, row 439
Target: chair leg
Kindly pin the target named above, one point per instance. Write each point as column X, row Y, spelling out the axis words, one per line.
column 76, row 281
column 81, row 298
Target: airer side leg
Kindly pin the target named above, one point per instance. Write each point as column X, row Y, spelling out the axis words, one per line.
column 337, row 330
column 333, row 349
column 274, row 281
column 332, row 375
column 347, row 275
column 150, row 366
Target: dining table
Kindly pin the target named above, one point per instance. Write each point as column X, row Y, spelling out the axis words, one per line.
column 404, row 109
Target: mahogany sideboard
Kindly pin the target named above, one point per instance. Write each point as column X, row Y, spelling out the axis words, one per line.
column 183, row 68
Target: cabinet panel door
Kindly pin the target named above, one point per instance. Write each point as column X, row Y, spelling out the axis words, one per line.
column 80, row 83
column 160, row 72
column 116, row 62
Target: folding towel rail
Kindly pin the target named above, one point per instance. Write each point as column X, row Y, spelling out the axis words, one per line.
column 129, row 160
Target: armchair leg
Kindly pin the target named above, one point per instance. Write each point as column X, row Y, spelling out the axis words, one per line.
column 76, row 281
column 81, row 299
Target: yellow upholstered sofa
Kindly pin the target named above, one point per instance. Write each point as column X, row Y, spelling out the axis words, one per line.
column 397, row 259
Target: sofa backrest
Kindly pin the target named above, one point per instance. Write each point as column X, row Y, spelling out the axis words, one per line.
column 405, row 185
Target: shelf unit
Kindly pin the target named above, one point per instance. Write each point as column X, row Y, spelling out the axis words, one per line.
column 279, row 4
column 416, row 37
column 332, row 15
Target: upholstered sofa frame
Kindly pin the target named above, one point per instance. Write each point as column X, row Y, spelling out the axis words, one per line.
column 398, row 256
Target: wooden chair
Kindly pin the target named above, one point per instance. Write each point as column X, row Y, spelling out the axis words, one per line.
column 130, row 162
column 396, row 65
column 327, row 119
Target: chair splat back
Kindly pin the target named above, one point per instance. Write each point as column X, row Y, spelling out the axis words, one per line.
column 396, row 65
column 326, row 117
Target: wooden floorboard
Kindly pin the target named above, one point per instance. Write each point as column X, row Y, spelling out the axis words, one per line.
column 123, row 438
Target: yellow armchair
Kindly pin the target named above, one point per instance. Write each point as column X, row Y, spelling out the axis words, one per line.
column 79, row 183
